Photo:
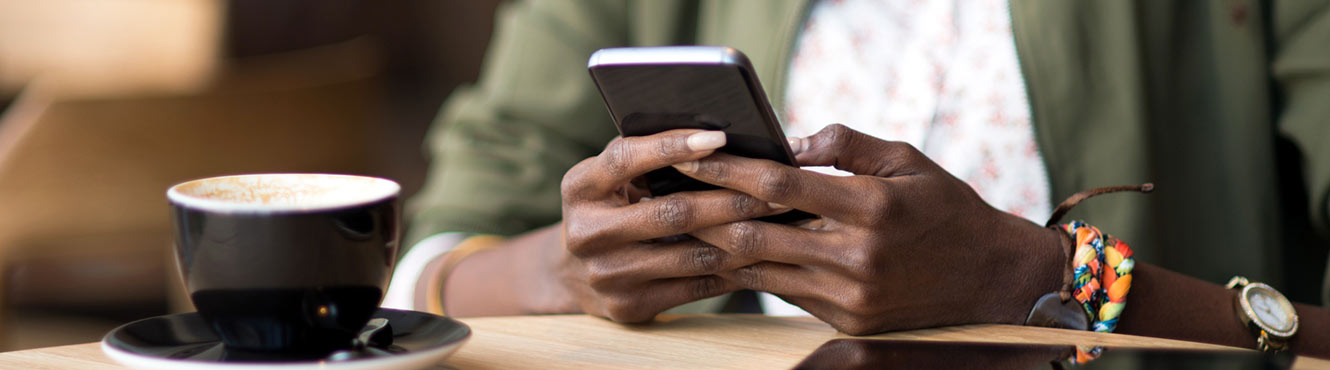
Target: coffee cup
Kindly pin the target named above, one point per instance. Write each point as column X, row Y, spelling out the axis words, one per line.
column 286, row 262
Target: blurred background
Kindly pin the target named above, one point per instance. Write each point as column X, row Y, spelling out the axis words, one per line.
column 105, row 104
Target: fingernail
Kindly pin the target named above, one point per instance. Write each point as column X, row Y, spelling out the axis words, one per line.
column 706, row 140
column 688, row 166
column 777, row 206
column 796, row 144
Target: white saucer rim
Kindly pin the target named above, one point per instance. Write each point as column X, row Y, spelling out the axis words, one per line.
column 413, row 359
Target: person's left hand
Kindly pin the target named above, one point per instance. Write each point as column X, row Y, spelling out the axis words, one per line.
column 901, row 245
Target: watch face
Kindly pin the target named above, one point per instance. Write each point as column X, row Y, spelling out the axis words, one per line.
column 1269, row 309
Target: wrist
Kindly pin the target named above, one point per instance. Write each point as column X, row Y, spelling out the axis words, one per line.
column 517, row 277
column 1039, row 265
column 480, row 285
column 548, row 290
column 1055, row 267
column 439, row 273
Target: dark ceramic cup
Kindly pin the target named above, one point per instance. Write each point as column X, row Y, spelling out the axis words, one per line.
column 286, row 262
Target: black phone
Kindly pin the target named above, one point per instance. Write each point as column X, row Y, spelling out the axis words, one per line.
column 903, row 354
column 654, row 89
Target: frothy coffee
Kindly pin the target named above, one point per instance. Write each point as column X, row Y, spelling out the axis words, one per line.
column 281, row 192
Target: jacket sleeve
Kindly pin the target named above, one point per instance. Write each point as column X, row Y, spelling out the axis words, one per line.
column 1301, row 68
column 500, row 148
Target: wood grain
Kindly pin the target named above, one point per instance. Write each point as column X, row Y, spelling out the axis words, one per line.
column 714, row 341
column 676, row 341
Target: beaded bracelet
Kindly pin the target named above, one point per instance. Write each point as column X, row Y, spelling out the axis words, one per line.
column 1098, row 276
column 1102, row 268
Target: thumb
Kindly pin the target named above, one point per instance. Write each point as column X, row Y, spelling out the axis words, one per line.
column 853, row 151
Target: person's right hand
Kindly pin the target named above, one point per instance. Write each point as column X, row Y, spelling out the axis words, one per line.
column 623, row 258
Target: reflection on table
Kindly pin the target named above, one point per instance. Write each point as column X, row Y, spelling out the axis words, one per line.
column 694, row 341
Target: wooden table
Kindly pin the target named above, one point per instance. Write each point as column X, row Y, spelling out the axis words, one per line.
column 674, row 341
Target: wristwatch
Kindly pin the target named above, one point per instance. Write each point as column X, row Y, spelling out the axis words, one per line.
column 1266, row 313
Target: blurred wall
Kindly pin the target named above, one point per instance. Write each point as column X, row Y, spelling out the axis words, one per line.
column 122, row 98
column 109, row 47
column 426, row 49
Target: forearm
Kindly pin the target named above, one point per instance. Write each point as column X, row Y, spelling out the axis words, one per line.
column 1167, row 304
column 1313, row 336
column 511, row 279
column 500, row 148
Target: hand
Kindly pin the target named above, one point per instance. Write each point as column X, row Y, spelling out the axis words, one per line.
column 902, row 245
column 622, row 258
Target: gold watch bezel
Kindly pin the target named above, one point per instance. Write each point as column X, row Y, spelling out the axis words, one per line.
column 1268, row 338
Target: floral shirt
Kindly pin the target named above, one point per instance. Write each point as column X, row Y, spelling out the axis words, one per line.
column 940, row 75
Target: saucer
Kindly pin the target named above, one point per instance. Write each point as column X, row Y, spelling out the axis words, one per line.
column 184, row 341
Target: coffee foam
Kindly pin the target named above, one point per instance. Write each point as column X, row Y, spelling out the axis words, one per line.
column 281, row 192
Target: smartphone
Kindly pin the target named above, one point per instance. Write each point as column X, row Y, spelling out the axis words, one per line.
column 654, row 89
column 902, row 354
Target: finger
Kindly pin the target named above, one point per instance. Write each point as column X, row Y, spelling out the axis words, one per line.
column 847, row 305
column 831, row 196
column 859, row 153
column 771, row 242
column 636, row 190
column 818, row 308
column 821, row 293
column 777, row 278
column 645, row 262
column 796, row 144
column 830, row 313
column 674, row 214
column 644, row 303
column 627, row 158
column 694, row 258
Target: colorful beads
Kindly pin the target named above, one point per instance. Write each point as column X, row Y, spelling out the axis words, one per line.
column 1101, row 268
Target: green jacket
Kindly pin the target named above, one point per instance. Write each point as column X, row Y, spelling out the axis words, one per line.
column 1224, row 105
